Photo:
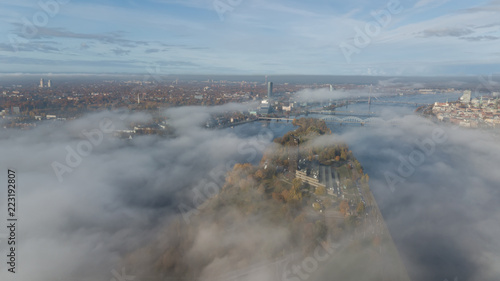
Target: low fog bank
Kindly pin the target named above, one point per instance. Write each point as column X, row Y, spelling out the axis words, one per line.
column 86, row 198
column 438, row 188
column 324, row 94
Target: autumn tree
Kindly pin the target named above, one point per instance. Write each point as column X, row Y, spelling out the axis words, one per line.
column 294, row 195
column 344, row 207
column 358, row 166
column 365, row 178
column 316, row 206
column 349, row 183
column 296, row 182
column 360, row 209
column 285, row 194
column 260, row 174
column 343, row 155
column 320, row 190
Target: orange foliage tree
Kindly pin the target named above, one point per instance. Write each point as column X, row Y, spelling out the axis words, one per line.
column 344, row 207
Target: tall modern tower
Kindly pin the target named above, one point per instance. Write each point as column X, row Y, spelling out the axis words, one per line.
column 49, row 84
column 41, row 83
column 270, row 91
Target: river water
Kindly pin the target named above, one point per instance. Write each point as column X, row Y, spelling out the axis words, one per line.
column 388, row 110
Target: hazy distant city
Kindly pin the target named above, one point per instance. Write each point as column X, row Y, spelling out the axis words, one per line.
column 25, row 104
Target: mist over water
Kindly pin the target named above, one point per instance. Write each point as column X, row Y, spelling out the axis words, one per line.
column 114, row 195
column 388, row 109
column 442, row 211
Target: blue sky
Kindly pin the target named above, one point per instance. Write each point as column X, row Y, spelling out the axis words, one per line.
column 421, row 37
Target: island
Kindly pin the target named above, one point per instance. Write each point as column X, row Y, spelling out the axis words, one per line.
column 305, row 212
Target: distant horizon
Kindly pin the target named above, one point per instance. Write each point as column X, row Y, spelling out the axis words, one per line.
column 242, row 75
column 487, row 83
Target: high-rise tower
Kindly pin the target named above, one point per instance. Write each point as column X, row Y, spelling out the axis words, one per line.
column 41, row 83
column 270, row 91
column 49, row 84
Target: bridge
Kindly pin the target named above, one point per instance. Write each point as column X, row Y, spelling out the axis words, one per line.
column 370, row 101
column 346, row 113
column 332, row 119
column 348, row 119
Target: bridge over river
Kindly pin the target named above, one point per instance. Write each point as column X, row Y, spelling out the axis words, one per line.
column 344, row 113
column 335, row 119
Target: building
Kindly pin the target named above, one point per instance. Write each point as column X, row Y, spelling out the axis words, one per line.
column 41, row 83
column 49, row 84
column 264, row 108
column 270, row 91
column 302, row 175
column 317, row 175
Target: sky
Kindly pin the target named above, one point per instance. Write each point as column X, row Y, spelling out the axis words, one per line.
column 423, row 37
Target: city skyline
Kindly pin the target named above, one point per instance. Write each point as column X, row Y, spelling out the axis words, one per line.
column 251, row 37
